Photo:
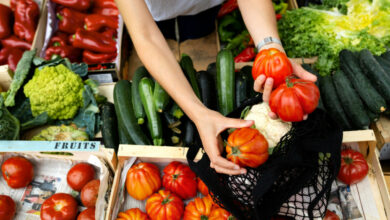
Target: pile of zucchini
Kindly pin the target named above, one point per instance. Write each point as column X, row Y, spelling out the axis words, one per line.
column 357, row 93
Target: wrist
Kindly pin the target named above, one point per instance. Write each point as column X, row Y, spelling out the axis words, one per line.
column 196, row 113
column 272, row 45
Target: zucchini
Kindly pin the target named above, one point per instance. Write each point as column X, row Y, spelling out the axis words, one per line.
column 247, row 71
column 189, row 133
column 308, row 68
column 386, row 55
column 124, row 137
column 154, row 121
column 188, row 69
column 375, row 73
column 332, row 103
column 207, row 89
column 241, row 89
column 109, row 126
column 139, row 111
column 176, row 111
column 212, row 68
column 125, row 113
column 160, row 97
column 372, row 115
column 350, row 66
column 225, row 81
column 351, row 102
column 384, row 64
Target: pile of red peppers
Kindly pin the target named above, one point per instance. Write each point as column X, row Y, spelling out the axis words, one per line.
column 17, row 30
column 87, row 30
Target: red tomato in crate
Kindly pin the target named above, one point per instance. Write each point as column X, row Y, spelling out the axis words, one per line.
column 180, row 179
column 164, row 205
column 88, row 214
column 197, row 208
column 17, row 171
column 7, row 208
column 353, row 167
column 142, row 180
column 132, row 214
column 293, row 99
column 89, row 193
column 79, row 175
column 59, row 206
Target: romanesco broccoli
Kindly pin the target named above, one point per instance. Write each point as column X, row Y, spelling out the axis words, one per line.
column 61, row 133
column 55, row 90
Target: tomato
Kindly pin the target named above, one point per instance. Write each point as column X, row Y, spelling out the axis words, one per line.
column 247, row 147
column 272, row 63
column 7, row 208
column 220, row 214
column 353, row 167
column 199, row 208
column 59, row 206
column 202, row 188
column 164, row 205
column 132, row 214
column 293, row 99
column 143, row 180
column 79, row 175
column 89, row 193
column 331, row 216
column 17, row 171
column 88, row 214
column 179, row 179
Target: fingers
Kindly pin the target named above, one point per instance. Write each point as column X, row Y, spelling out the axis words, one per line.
column 268, row 89
column 219, row 169
column 237, row 123
column 305, row 117
column 273, row 115
column 302, row 73
column 258, row 85
column 222, row 165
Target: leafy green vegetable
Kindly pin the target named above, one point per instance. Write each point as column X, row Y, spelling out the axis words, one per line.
column 80, row 68
column 9, row 125
column 41, row 119
column 94, row 85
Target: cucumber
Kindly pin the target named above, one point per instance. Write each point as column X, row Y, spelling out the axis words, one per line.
column 160, row 97
column 154, row 121
column 225, row 81
column 241, row 89
column 139, row 111
column 109, row 126
column 125, row 113
column 247, row 71
column 350, row 66
column 351, row 102
column 207, row 89
column 308, row 68
column 384, row 64
column 375, row 73
column 332, row 103
column 188, row 69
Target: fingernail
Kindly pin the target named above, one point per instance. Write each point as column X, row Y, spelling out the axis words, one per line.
column 243, row 171
column 236, row 167
column 261, row 77
column 269, row 81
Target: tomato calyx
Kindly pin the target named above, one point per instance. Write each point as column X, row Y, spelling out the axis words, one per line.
column 203, row 217
column 290, row 84
column 231, row 218
column 166, row 201
column 175, row 176
column 348, row 160
column 236, row 151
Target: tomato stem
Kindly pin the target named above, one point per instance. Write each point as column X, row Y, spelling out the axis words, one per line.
column 175, row 176
column 236, row 151
column 203, row 217
column 166, row 201
column 348, row 160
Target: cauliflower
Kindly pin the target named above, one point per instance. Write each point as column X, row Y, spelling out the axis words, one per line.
column 61, row 133
column 272, row 129
column 55, row 90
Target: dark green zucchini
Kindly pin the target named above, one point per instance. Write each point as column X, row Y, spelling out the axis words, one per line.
column 384, row 64
column 125, row 113
column 212, row 68
column 154, row 121
column 351, row 101
column 225, row 81
column 372, row 115
column 207, row 89
column 386, row 55
column 139, row 111
column 247, row 71
column 308, row 68
column 124, row 137
column 189, row 133
column 241, row 89
column 160, row 97
column 109, row 126
column 350, row 66
column 375, row 73
column 188, row 69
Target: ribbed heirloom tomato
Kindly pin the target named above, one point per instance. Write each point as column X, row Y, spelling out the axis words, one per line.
column 132, row 214
column 59, row 206
column 204, row 209
column 179, row 179
column 331, row 216
column 272, row 63
column 202, row 188
column 220, row 214
column 143, row 180
column 17, row 171
column 79, row 175
column 293, row 99
column 88, row 214
column 247, row 147
column 164, row 205
column 353, row 167
column 7, row 208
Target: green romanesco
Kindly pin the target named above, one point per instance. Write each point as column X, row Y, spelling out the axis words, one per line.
column 61, row 133
column 55, row 90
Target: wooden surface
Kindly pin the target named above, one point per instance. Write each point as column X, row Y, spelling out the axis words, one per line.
column 382, row 130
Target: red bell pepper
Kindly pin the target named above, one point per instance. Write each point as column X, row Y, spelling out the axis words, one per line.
column 5, row 21
column 12, row 3
column 59, row 39
column 14, row 57
column 96, row 22
column 70, row 20
column 110, row 33
column 79, row 5
column 278, row 17
column 73, row 54
column 227, row 7
column 4, row 55
column 26, row 19
column 94, row 41
column 114, row 12
column 104, row 4
column 90, row 57
column 246, row 55
column 71, row 39
column 14, row 42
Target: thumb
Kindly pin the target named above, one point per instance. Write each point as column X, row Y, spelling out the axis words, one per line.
column 238, row 123
column 303, row 74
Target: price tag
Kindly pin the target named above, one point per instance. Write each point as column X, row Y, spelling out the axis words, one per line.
column 49, row 146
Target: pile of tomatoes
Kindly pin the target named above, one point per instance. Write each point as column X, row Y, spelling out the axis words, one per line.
column 143, row 182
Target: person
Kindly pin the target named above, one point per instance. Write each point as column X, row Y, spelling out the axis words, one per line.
column 154, row 52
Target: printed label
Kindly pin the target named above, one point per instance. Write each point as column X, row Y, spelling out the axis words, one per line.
column 15, row 146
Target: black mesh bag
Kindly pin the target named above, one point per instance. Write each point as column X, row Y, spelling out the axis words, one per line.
column 295, row 181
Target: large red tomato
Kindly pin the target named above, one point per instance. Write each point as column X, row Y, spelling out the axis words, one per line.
column 18, row 172
column 353, row 167
column 88, row 214
column 202, row 188
column 331, row 216
column 7, row 208
column 220, row 214
column 59, row 206
column 143, row 180
column 79, row 175
column 179, row 179
column 132, row 214
column 198, row 209
column 247, row 147
column 89, row 193
column 164, row 205
column 272, row 63
column 293, row 99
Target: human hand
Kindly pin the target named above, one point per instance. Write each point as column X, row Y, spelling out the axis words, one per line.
column 210, row 125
